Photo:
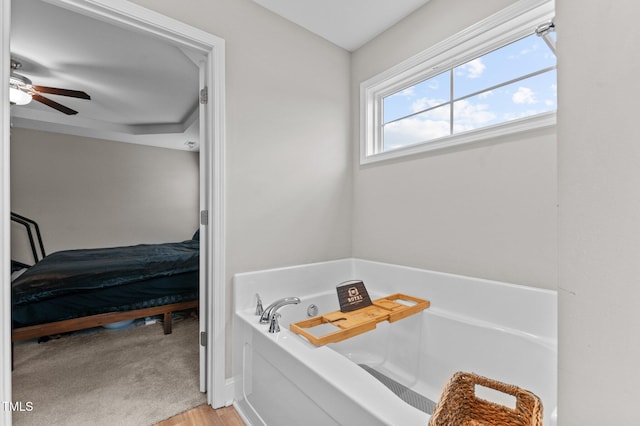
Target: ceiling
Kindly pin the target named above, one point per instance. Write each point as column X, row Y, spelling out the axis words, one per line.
column 145, row 90
column 347, row 23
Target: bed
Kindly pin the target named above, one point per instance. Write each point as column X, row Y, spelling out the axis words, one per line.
column 77, row 289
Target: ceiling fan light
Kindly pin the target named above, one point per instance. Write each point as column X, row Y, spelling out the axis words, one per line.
column 18, row 97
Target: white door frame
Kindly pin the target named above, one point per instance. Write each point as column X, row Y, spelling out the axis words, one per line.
column 132, row 16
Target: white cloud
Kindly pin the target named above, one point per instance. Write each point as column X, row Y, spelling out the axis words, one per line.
column 469, row 116
column 424, row 103
column 409, row 92
column 413, row 130
column 524, row 95
column 535, row 45
column 435, row 123
column 474, row 68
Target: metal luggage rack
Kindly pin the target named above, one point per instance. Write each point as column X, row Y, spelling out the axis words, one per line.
column 31, row 227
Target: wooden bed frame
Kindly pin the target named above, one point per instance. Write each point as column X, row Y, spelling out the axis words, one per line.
column 48, row 329
column 82, row 323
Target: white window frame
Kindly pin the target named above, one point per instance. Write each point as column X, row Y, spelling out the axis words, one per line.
column 510, row 24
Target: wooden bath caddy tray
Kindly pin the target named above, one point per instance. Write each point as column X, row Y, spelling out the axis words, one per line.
column 349, row 324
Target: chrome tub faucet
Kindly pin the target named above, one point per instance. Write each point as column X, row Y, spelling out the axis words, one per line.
column 271, row 315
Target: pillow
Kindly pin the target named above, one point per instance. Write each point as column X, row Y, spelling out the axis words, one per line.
column 196, row 236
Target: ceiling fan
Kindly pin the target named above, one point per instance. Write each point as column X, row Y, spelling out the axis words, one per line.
column 22, row 91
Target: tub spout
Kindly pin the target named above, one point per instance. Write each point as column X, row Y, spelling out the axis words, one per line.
column 272, row 308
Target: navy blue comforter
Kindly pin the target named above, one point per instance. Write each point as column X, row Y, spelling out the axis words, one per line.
column 75, row 271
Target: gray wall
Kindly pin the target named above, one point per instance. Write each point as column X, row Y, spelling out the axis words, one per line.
column 599, row 221
column 486, row 210
column 288, row 159
column 94, row 193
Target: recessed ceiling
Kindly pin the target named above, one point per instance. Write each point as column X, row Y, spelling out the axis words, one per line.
column 143, row 89
column 346, row 23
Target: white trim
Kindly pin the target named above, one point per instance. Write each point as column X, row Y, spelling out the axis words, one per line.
column 218, row 394
column 125, row 13
column 203, row 277
column 509, row 24
column 5, row 209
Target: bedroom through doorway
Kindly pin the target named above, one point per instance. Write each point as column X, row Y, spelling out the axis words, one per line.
column 185, row 175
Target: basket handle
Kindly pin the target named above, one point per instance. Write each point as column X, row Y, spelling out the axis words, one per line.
column 525, row 400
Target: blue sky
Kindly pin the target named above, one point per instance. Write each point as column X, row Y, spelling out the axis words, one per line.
column 523, row 98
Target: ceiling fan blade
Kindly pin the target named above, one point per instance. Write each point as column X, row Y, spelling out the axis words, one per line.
column 62, row 92
column 53, row 104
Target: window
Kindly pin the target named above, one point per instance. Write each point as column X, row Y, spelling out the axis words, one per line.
column 499, row 77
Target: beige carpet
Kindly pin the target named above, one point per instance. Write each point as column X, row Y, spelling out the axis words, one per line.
column 134, row 376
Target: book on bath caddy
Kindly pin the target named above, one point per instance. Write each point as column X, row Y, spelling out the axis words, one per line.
column 352, row 295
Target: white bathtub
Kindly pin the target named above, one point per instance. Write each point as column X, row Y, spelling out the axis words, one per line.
column 498, row 330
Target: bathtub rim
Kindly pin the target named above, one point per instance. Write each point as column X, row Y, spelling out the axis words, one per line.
column 245, row 287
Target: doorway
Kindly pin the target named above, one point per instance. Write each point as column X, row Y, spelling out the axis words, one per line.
column 212, row 296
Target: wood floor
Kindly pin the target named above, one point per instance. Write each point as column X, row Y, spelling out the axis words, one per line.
column 205, row 415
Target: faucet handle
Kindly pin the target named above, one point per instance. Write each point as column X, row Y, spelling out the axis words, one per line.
column 274, row 326
column 259, row 308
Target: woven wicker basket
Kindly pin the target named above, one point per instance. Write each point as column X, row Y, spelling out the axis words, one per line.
column 459, row 406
